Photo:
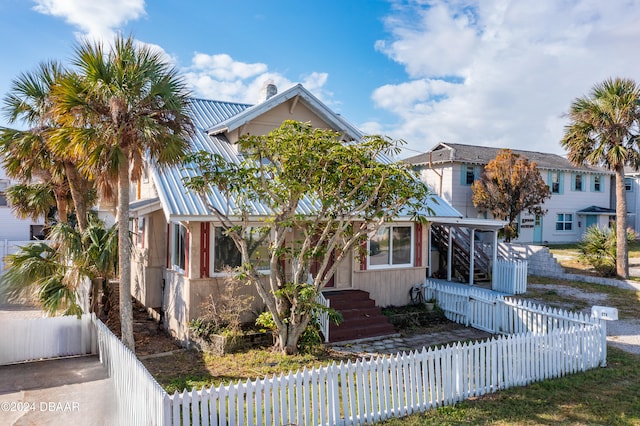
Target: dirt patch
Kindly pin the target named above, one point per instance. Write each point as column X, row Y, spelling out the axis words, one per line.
column 150, row 338
column 569, row 298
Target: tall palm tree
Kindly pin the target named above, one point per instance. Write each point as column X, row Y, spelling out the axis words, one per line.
column 604, row 130
column 28, row 154
column 122, row 107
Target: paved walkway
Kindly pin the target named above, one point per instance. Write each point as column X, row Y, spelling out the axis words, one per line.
column 393, row 345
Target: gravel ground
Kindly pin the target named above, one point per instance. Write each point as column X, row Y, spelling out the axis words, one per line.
column 623, row 334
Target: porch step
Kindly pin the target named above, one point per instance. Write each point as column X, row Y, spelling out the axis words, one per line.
column 361, row 317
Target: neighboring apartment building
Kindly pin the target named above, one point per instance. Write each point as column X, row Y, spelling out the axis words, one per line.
column 14, row 231
column 632, row 187
column 12, row 228
column 581, row 196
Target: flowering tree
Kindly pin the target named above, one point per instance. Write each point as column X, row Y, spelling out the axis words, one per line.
column 329, row 194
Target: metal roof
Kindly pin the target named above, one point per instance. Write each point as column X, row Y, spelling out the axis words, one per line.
column 445, row 152
column 180, row 204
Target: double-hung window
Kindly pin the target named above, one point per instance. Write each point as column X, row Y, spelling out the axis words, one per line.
column 391, row 246
column 178, row 247
column 597, row 185
column 555, row 182
column 578, row 182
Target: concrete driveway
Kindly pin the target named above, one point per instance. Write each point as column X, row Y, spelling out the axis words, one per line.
column 67, row 391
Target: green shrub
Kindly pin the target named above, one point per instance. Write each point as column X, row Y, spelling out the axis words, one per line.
column 598, row 249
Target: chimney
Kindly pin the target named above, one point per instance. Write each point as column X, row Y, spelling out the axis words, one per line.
column 269, row 89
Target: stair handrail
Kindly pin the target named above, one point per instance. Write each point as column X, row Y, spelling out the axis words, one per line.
column 322, row 315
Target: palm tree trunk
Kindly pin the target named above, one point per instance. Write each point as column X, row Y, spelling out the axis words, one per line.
column 62, row 206
column 78, row 193
column 622, row 255
column 124, row 259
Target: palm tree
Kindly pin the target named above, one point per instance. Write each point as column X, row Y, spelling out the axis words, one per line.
column 604, row 131
column 120, row 108
column 54, row 271
column 28, row 155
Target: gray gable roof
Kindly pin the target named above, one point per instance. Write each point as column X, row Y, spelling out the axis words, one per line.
column 481, row 155
column 180, row 204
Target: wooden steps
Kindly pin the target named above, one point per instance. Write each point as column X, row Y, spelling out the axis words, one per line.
column 361, row 318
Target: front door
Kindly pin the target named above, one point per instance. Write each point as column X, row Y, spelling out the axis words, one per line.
column 316, row 264
column 591, row 220
column 537, row 229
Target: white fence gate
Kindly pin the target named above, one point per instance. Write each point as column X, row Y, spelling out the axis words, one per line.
column 41, row 338
column 510, row 276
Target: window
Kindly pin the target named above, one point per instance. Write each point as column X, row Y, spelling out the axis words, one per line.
column 178, row 247
column 628, row 184
column 3, row 198
column 139, row 235
column 555, row 182
column 597, row 184
column 36, row 232
column 564, row 222
column 226, row 254
column 577, row 182
column 469, row 174
column 391, row 246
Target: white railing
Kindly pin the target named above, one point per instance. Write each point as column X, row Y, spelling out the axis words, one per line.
column 41, row 338
column 494, row 313
column 510, row 276
column 323, row 316
column 139, row 398
column 370, row 391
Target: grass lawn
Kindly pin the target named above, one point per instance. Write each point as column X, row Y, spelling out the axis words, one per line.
column 567, row 254
column 603, row 396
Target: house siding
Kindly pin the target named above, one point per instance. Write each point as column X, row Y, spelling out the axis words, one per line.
column 446, row 179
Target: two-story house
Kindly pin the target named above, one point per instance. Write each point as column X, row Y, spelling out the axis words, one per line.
column 581, row 195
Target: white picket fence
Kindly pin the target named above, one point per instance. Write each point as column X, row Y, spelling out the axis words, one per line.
column 364, row 392
column 536, row 344
column 510, row 276
column 491, row 312
column 42, row 338
column 139, row 398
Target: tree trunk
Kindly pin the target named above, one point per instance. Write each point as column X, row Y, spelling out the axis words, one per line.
column 622, row 255
column 62, row 206
column 124, row 259
column 78, row 193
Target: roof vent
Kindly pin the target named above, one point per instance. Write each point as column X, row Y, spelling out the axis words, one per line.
column 269, row 89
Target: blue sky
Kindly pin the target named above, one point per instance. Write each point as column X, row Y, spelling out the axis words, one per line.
column 487, row 72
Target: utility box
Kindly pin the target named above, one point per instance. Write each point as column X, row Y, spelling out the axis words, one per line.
column 604, row 312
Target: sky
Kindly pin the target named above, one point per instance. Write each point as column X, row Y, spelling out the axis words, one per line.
column 498, row 73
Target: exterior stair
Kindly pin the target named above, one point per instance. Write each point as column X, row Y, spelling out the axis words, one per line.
column 361, row 318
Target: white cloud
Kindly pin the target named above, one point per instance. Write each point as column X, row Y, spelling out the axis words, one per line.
column 221, row 77
column 500, row 72
column 95, row 19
